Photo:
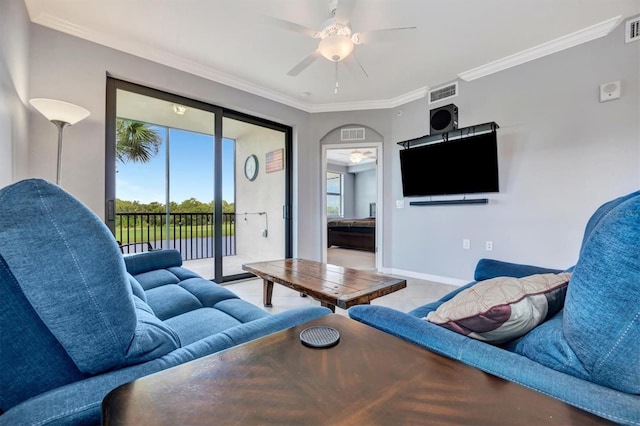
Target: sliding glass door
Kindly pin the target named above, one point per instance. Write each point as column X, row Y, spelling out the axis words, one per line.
column 179, row 176
column 261, row 230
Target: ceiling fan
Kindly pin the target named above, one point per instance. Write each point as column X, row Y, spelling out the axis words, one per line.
column 357, row 156
column 337, row 40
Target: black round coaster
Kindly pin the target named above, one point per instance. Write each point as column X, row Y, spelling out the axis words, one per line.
column 320, row 337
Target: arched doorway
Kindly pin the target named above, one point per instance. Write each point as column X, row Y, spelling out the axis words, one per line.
column 352, row 197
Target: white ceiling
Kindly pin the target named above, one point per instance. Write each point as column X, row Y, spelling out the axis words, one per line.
column 230, row 41
column 342, row 157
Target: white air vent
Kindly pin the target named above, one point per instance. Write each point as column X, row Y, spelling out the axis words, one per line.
column 443, row 92
column 352, row 134
column 632, row 30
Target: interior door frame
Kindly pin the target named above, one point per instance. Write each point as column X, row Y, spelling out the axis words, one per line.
column 379, row 194
column 113, row 84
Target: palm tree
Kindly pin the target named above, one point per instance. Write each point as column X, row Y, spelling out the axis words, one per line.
column 136, row 142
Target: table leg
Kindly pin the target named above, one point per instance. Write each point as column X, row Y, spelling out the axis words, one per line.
column 328, row 305
column 267, row 293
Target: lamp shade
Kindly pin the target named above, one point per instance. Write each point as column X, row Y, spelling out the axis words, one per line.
column 59, row 110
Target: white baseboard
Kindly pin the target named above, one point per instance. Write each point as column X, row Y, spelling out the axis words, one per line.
column 428, row 277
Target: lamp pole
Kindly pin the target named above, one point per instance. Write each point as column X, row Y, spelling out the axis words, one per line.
column 60, row 125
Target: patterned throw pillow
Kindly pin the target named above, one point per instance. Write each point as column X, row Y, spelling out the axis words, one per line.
column 503, row 308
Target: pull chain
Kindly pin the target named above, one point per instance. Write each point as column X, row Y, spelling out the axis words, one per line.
column 335, row 90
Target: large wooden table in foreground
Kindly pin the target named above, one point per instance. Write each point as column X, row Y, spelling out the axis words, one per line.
column 330, row 284
column 368, row 378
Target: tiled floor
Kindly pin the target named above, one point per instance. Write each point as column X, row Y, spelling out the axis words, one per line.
column 417, row 292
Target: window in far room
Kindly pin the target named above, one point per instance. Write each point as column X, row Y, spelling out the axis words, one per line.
column 334, row 194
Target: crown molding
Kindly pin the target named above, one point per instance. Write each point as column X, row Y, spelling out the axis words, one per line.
column 365, row 105
column 565, row 42
column 38, row 15
column 157, row 55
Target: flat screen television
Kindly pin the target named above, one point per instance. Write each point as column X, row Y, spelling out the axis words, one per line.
column 463, row 166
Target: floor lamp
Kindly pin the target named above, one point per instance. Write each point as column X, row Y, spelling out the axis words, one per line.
column 62, row 114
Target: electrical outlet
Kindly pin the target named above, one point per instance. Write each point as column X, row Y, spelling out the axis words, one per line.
column 466, row 244
column 399, row 204
column 488, row 245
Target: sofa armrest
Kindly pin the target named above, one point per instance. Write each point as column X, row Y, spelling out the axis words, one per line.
column 491, row 268
column 602, row 401
column 139, row 263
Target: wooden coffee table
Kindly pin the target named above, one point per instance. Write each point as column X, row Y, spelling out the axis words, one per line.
column 330, row 284
column 368, row 378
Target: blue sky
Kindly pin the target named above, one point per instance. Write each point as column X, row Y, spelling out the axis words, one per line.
column 191, row 170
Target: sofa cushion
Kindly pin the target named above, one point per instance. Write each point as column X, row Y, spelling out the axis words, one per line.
column 157, row 278
column 69, row 267
column 200, row 323
column 171, row 300
column 137, row 289
column 503, row 308
column 602, row 311
column 153, row 338
column 547, row 345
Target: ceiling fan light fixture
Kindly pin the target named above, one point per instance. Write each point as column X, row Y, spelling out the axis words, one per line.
column 336, row 47
column 355, row 156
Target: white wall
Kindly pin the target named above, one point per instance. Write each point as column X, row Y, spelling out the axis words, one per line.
column 264, row 194
column 561, row 154
column 14, row 91
column 68, row 68
column 365, row 192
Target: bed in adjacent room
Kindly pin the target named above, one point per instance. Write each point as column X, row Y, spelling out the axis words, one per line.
column 359, row 234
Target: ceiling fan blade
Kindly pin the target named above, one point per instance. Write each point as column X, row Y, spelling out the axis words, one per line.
column 343, row 11
column 304, row 63
column 388, row 35
column 354, row 65
column 291, row 26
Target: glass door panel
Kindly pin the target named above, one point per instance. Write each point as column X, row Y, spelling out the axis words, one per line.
column 191, row 165
column 164, row 178
column 256, row 165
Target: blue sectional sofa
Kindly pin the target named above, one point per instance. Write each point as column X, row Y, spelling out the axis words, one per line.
column 78, row 319
column 588, row 354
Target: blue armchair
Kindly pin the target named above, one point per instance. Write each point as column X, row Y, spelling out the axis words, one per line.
column 78, row 319
column 587, row 355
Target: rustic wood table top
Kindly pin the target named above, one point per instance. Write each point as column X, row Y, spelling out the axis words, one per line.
column 332, row 285
column 368, row 378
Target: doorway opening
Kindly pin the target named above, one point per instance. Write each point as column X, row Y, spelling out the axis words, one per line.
column 352, row 205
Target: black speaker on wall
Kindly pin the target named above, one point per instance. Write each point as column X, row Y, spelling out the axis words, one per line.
column 443, row 119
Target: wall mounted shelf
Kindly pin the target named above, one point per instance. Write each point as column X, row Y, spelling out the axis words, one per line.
column 452, row 135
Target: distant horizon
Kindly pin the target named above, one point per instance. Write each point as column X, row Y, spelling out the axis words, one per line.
column 191, row 170
column 172, row 201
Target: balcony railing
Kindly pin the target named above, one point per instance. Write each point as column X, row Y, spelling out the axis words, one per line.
column 189, row 233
